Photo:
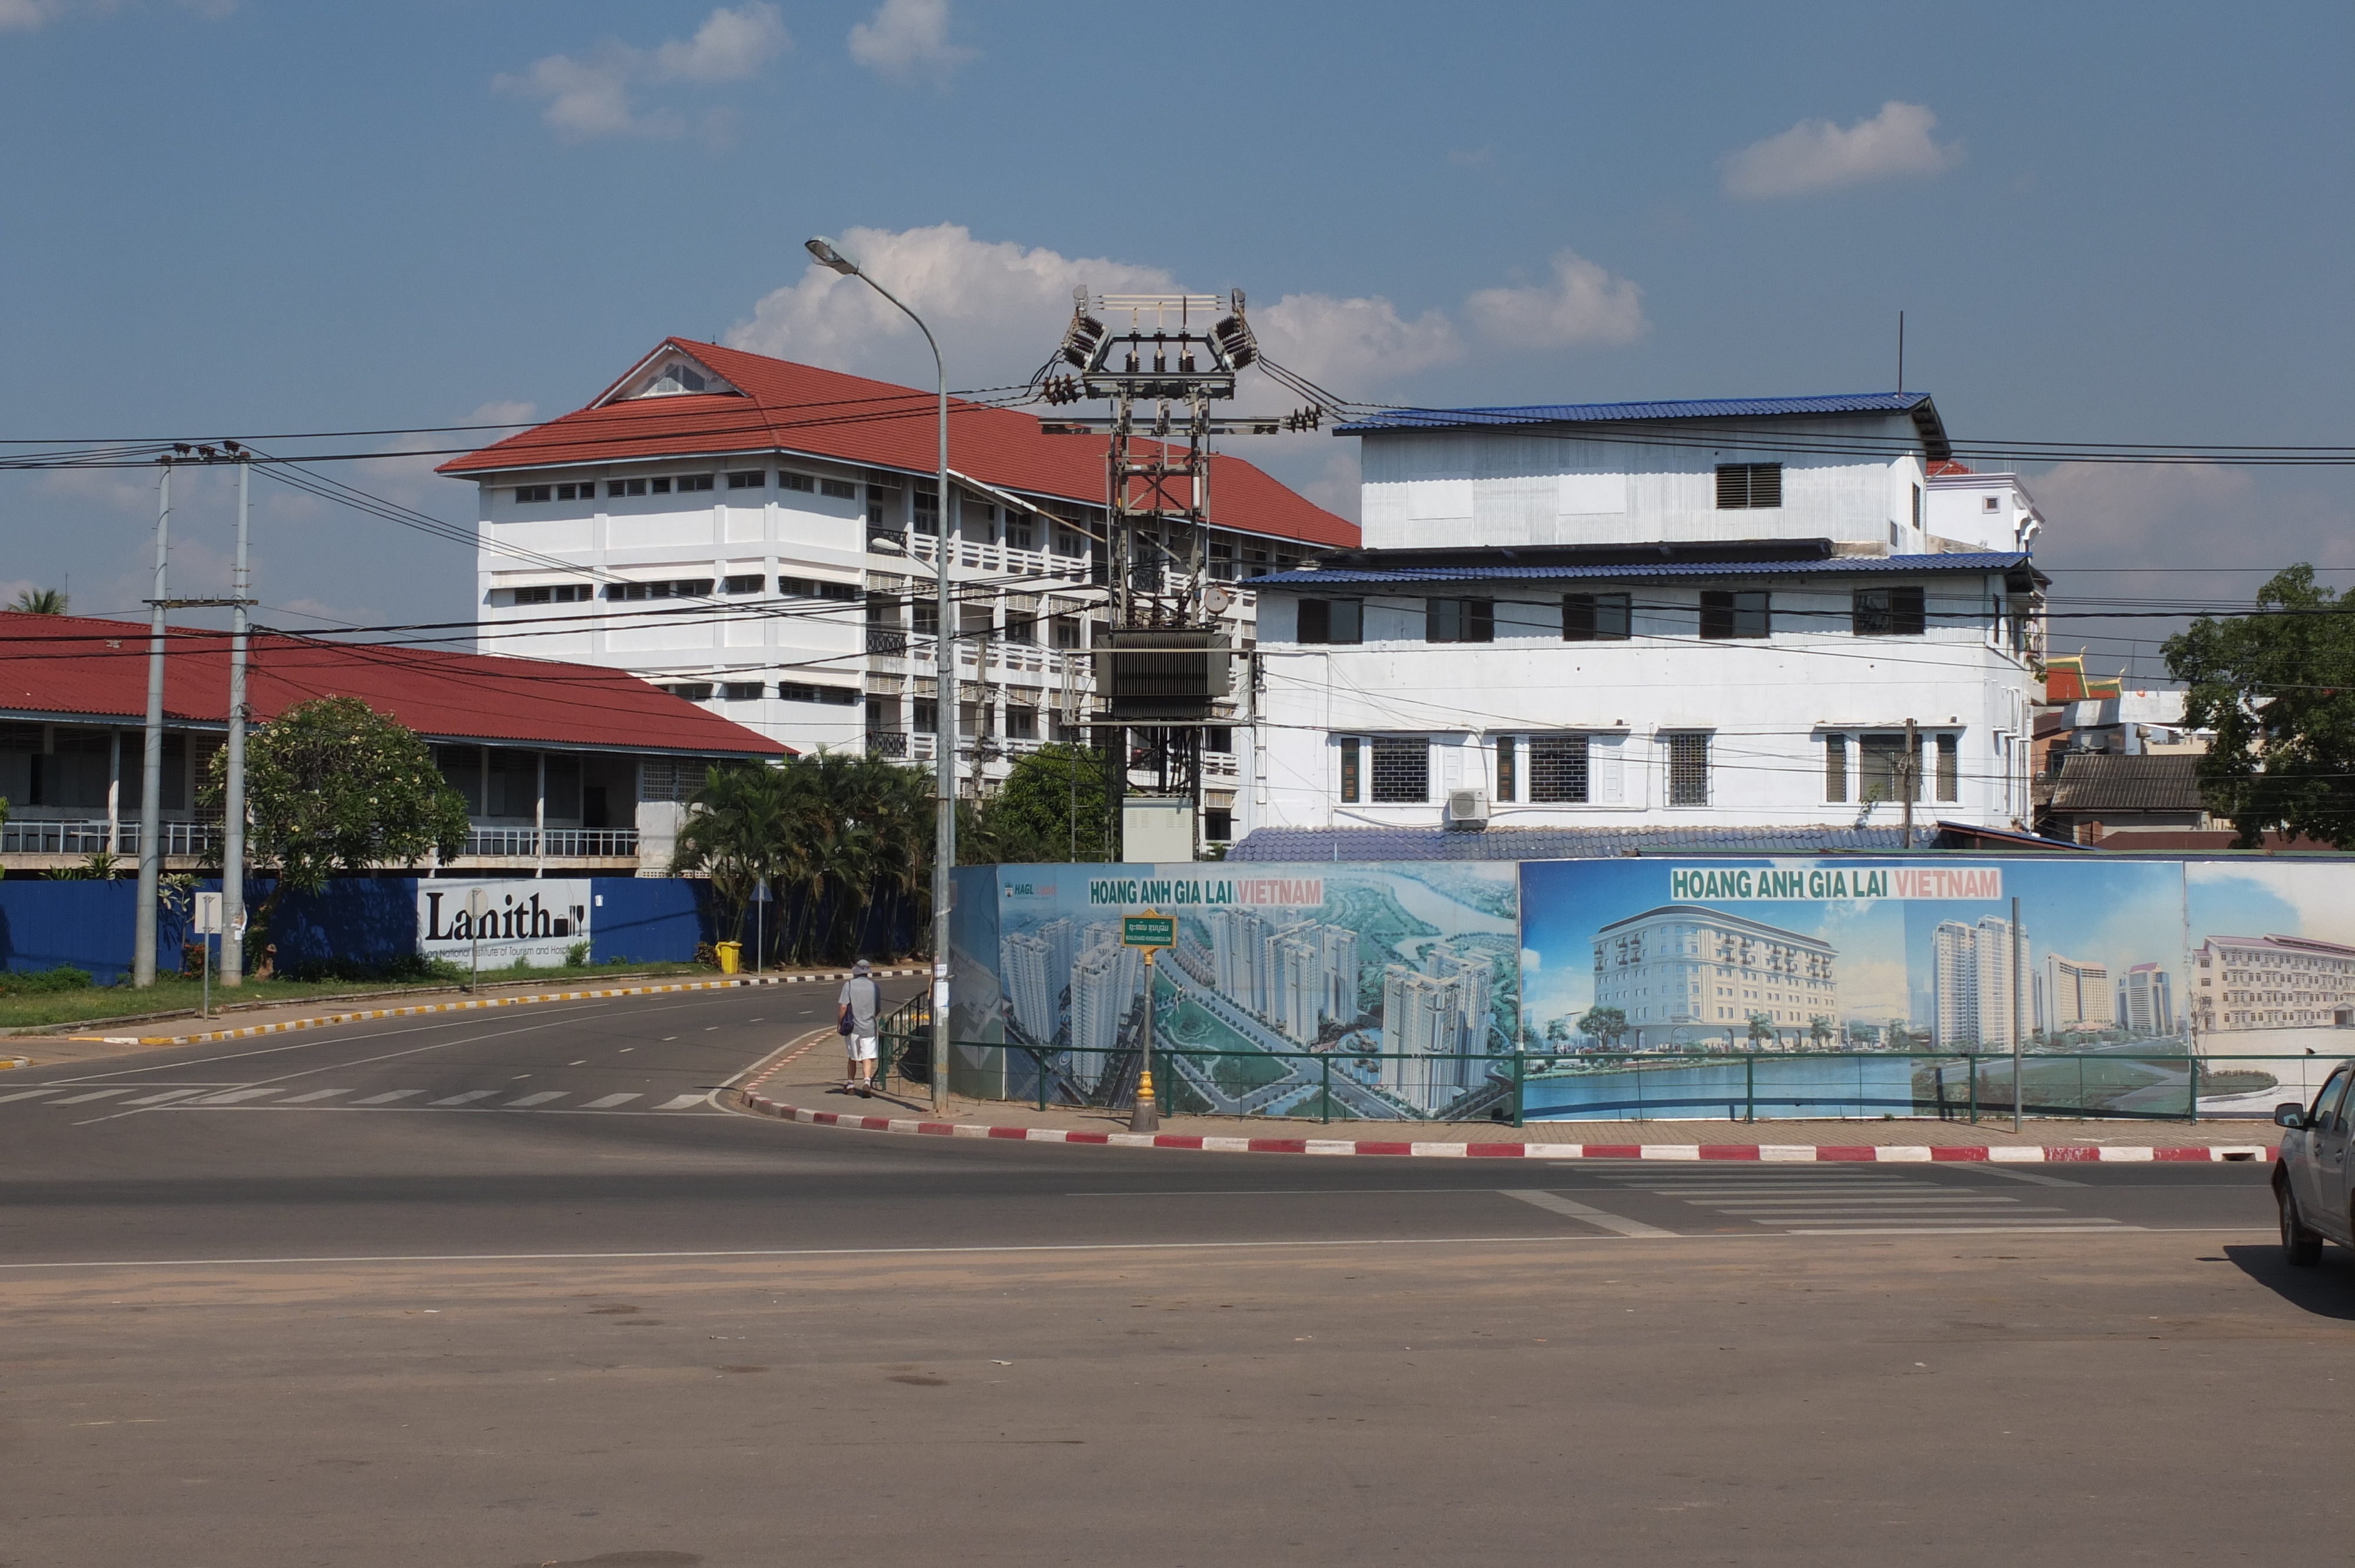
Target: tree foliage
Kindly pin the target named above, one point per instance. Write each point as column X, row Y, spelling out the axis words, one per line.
column 1604, row 1023
column 2278, row 687
column 40, row 601
column 332, row 786
column 1050, row 807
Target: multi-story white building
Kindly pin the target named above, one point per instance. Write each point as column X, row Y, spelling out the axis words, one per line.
column 1423, row 1045
column 1685, row 972
column 2147, row 999
column 2078, row 994
column 758, row 536
column 1106, row 979
column 1971, row 982
column 1684, row 615
column 2276, row 982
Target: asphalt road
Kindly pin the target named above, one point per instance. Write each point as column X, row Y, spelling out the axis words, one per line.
column 512, row 1289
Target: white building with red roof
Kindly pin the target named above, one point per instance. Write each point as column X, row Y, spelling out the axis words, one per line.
column 712, row 522
column 565, row 767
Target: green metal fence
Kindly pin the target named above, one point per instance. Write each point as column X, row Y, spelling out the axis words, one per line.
column 1325, row 1087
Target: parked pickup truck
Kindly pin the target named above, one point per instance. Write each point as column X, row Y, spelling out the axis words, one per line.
column 2311, row 1179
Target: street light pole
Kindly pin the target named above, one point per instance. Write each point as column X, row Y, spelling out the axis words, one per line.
column 151, row 769
column 944, row 687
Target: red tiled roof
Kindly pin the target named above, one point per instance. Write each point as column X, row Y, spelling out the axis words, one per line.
column 850, row 419
column 81, row 666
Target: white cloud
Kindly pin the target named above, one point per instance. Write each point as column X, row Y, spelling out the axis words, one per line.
column 591, row 96
column 728, row 46
column 1818, row 155
column 1583, row 304
column 1344, row 346
column 25, row 16
column 907, row 36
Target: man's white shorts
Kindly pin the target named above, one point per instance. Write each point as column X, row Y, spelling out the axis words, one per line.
column 861, row 1047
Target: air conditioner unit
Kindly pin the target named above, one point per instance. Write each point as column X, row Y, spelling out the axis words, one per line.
column 1468, row 807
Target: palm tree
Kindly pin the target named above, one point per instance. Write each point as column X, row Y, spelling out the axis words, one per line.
column 40, row 601
column 736, row 822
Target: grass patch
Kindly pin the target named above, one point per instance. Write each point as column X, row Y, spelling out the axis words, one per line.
column 95, row 1004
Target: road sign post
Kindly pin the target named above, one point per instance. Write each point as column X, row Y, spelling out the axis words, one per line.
column 208, row 926
column 1152, row 932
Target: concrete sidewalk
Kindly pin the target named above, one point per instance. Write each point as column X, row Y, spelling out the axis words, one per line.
column 808, row 1074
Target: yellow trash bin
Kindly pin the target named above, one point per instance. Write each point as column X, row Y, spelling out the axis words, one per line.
column 731, row 955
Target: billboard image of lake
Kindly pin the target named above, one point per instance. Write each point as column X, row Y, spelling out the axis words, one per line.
column 1367, row 992
column 1851, row 986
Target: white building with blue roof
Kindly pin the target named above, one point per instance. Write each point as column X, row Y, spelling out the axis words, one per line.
column 1702, row 616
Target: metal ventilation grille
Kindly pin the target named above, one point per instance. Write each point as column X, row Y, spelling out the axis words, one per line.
column 1742, row 486
column 1401, row 770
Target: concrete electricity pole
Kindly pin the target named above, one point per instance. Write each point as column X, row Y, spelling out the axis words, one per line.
column 232, row 960
column 150, row 771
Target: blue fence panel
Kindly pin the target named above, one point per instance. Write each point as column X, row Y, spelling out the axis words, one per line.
column 649, row 919
column 354, row 923
column 86, row 925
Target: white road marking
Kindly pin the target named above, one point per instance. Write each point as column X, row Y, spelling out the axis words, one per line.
column 94, row 1094
column 540, row 1098
column 314, row 1094
column 682, row 1102
column 387, row 1099
column 27, row 1094
column 1731, row 1204
column 470, row 1095
column 1555, row 1204
column 1981, row 1168
column 2050, row 1227
column 609, row 1102
column 167, row 1095
column 234, row 1096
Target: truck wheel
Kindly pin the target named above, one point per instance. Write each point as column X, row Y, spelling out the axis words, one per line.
column 2300, row 1246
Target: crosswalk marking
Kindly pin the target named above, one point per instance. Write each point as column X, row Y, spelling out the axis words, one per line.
column 540, row 1098
column 314, row 1094
column 167, row 1095
column 681, row 1102
column 234, row 1096
column 1554, row 1202
column 609, row 1102
column 27, row 1095
column 387, row 1099
column 1836, row 1201
column 469, row 1096
column 94, row 1094
column 201, row 1098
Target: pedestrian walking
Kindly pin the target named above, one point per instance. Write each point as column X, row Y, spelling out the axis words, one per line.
column 860, row 1002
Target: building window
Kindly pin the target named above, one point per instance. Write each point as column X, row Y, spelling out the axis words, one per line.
column 688, row 481
column 1890, row 772
column 659, row 486
column 1020, row 628
column 1727, row 613
column 835, row 489
column 927, row 719
column 1350, row 789
column 1332, row 620
column 1508, row 783
column 1917, row 508
column 1018, row 531
column 788, row 480
column 1887, row 612
column 1065, row 630
column 1221, row 738
column 626, row 487
column 1217, row 826
column 1990, row 503
column 798, row 692
column 1460, row 621
column 1748, row 486
column 685, row 587
column 1688, row 769
column 928, row 510
column 818, row 588
column 576, row 492
column 748, row 479
column 1402, row 770
column 1021, row 723
column 1594, row 617
column 1950, row 768
column 1558, row 774
column 743, row 584
column 693, row 691
column 927, row 614
column 556, row 593
column 740, row 691
column 1835, row 767
column 529, row 492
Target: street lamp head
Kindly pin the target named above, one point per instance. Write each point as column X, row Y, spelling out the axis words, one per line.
column 830, row 257
column 886, row 545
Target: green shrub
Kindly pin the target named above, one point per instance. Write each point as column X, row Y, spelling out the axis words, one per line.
column 576, row 956
column 29, row 982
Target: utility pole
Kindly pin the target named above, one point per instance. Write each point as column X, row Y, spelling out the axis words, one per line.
column 150, row 771
column 1909, row 776
column 232, row 962
column 2016, row 943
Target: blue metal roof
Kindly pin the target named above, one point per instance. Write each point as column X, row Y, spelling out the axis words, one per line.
column 1836, row 566
column 1916, row 403
column 1555, row 843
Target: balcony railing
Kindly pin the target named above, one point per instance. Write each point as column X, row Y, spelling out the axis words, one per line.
column 887, row 743
column 887, row 642
column 89, row 835
column 562, row 843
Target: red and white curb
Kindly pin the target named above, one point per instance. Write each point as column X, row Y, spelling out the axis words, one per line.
column 324, row 1020
column 1772, row 1153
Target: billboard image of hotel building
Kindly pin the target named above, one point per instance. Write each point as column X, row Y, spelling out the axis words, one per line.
column 1684, row 971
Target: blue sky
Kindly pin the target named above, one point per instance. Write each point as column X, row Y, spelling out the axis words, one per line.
column 2118, row 912
column 2117, row 223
